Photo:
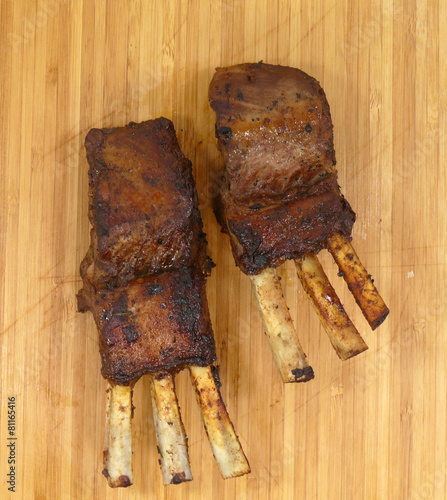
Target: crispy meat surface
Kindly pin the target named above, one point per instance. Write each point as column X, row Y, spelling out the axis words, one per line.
column 152, row 324
column 143, row 203
column 145, row 273
column 279, row 198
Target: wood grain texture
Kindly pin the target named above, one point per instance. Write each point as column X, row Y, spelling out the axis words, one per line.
column 371, row 427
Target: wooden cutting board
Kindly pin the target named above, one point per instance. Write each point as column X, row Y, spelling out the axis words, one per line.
column 373, row 427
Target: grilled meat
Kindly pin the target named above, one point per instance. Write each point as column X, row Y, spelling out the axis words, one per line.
column 144, row 275
column 279, row 198
column 143, row 203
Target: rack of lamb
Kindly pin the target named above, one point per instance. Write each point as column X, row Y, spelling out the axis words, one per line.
column 144, row 280
column 279, row 199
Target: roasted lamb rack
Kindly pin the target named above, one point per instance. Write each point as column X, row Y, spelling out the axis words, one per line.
column 144, row 281
column 279, row 199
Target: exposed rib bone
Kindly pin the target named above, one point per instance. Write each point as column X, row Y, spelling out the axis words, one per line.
column 359, row 281
column 118, row 456
column 345, row 338
column 286, row 348
column 171, row 437
column 224, row 442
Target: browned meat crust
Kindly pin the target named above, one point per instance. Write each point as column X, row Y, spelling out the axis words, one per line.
column 153, row 324
column 143, row 203
column 267, row 233
column 279, row 198
column 145, row 273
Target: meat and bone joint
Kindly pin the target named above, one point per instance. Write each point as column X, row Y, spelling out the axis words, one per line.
column 144, row 280
column 279, row 199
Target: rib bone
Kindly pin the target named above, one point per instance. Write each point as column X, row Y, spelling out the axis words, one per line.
column 345, row 338
column 171, row 437
column 284, row 343
column 359, row 281
column 118, row 456
column 224, row 442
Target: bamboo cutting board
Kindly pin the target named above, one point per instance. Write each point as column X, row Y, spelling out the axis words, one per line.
column 373, row 427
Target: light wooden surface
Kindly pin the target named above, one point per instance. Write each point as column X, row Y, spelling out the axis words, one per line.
column 373, row 427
